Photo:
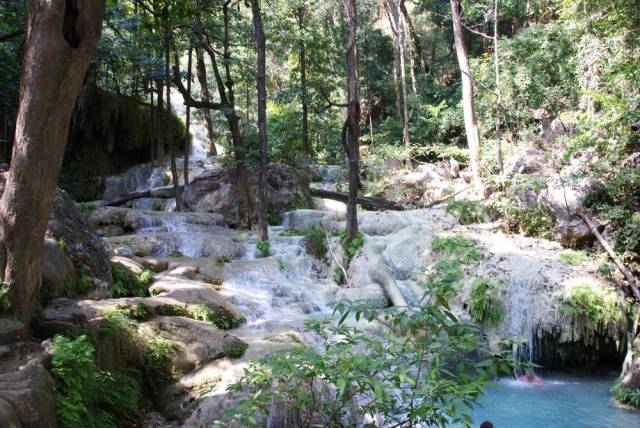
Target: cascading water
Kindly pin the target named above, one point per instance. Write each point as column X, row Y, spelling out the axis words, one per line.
column 520, row 322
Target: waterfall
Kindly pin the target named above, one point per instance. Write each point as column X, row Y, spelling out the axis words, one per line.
column 519, row 320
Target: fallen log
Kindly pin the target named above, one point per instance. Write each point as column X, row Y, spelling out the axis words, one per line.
column 371, row 202
column 164, row 192
column 631, row 280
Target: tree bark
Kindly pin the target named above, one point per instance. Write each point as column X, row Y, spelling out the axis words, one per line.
column 187, row 137
column 351, row 134
column 306, row 144
column 55, row 64
column 419, row 52
column 498, row 99
column 369, row 202
column 470, row 121
column 262, row 120
column 167, row 77
column 201, row 71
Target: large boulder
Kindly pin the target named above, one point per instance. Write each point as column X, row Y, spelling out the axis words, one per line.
column 214, row 191
column 69, row 227
column 27, row 390
column 58, row 272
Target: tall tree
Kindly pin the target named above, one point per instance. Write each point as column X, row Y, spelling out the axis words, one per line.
column 496, row 57
column 262, row 119
column 301, row 13
column 470, row 121
column 187, row 137
column 351, row 129
column 55, row 64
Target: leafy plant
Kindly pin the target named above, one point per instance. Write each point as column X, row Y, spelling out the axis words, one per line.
column 464, row 249
column 88, row 397
column 176, row 253
column 315, row 242
column 571, row 257
column 264, row 248
column 351, row 247
column 417, row 371
column 86, row 207
column 629, row 396
column 484, row 301
column 596, row 309
column 467, row 212
column 127, row 283
column 5, row 303
column 62, row 244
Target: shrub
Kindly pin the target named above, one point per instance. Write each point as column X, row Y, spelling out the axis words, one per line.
column 351, row 247
column 484, row 301
column 88, row 397
column 315, row 242
column 454, row 251
column 127, row 283
column 627, row 396
column 264, row 248
column 467, row 212
column 405, row 376
column 458, row 246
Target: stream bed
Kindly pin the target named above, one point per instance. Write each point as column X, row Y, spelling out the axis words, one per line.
column 561, row 402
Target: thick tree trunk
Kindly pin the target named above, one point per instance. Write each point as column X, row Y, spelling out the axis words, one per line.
column 498, row 99
column 187, row 137
column 470, row 122
column 167, row 77
column 369, row 202
column 55, row 64
column 262, row 120
column 201, row 71
column 352, row 123
column 304, row 95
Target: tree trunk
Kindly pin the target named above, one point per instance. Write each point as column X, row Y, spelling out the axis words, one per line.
column 54, row 66
column 470, row 123
column 187, row 137
column 304, row 95
column 403, row 81
column 498, row 100
column 167, row 77
column 419, row 52
column 160, row 122
column 201, row 71
column 262, row 120
column 351, row 132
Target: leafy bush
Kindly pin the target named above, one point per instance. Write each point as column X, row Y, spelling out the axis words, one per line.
column 315, row 242
column 351, row 247
column 596, row 309
column 535, row 222
column 484, row 301
column 467, row 212
column 418, row 371
column 627, row 396
column 457, row 246
column 88, row 397
column 264, row 248
column 454, row 251
column 5, row 303
column 127, row 283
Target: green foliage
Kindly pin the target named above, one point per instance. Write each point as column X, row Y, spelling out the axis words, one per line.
column 62, row 244
column 5, row 303
column 222, row 319
column 628, row 396
column 274, row 218
column 351, row 247
column 596, row 309
column 536, row 222
column 572, row 257
column 315, row 242
column 467, row 212
column 127, row 283
column 84, row 284
column 417, row 371
column 86, row 207
column 159, row 360
column 176, row 253
column 223, row 260
column 88, row 397
column 454, row 252
column 463, row 249
column 485, row 302
column 264, row 248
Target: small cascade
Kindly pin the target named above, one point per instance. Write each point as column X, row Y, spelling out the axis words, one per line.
column 519, row 319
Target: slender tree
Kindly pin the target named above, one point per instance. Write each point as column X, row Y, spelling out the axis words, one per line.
column 55, row 64
column 351, row 128
column 262, row 119
column 301, row 13
column 470, row 121
column 498, row 99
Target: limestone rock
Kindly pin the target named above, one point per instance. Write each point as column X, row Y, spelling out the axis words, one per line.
column 85, row 248
column 214, row 191
column 58, row 272
column 27, row 397
column 528, row 162
column 303, row 219
column 196, row 342
column 371, row 296
column 11, row 330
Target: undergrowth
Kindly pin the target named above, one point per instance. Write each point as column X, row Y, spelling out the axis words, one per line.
column 571, row 257
column 467, row 212
column 628, row 396
column 315, row 242
column 595, row 309
column 484, row 301
column 129, row 284
column 264, row 248
column 454, row 252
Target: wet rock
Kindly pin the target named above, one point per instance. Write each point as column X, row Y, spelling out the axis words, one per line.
column 214, row 191
column 406, row 253
column 85, row 248
column 371, row 296
column 58, row 272
column 111, row 220
column 27, row 397
column 131, row 265
column 386, row 222
column 217, row 242
column 301, row 220
column 197, row 342
column 631, row 376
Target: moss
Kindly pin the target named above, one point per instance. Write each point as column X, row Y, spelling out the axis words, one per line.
column 238, row 350
column 221, row 319
column 351, row 247
column 457, row 246
column 176, row 254
column 315, row 242
column 484, row 301
column 592, row 309
column 571, row 257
